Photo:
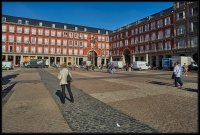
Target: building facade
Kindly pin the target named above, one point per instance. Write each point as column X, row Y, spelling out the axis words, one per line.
column 24, row 39
column 186, row 28
column 149, row 39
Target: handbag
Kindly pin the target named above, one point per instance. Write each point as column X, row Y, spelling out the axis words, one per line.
column 69, row 78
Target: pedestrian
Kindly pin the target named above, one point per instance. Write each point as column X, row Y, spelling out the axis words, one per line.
column 63, row 76
column 185, row 69
column 178, row 75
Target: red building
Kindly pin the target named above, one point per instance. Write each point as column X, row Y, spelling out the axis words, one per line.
column 24, row 39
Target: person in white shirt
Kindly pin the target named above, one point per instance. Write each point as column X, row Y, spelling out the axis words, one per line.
column 178, row 74
column 62, row 76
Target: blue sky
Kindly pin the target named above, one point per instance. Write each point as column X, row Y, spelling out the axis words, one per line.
column 107, row 15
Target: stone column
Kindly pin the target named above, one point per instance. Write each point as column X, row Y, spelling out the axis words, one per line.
column 150, row 61
column 14, row 60
column 157, row 60
column 78, row 61
column 6, row 57
column 123, row 60
column 133, row 58
column 105, row 60
column 55, row 61
column 147, row 58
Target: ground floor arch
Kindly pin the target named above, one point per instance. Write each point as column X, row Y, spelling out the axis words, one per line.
column 92, row 56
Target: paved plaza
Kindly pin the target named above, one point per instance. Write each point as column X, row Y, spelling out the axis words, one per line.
column 126, row 102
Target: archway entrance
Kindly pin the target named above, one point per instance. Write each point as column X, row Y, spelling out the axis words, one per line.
column 92, row 56
column 127, row 55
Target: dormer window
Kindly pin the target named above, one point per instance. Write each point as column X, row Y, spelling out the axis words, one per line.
column 65, row 27
column 76, row 28
column 98, row 31
column 106, row 32
column 40, row 24
column 27, row 22
column 85, row 29
column 3, row 19
column 19, row 21
column 53, row 25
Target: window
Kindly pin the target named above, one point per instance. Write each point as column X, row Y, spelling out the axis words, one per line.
column 181, row 43
column 19, row 21
column 147, row 47
column 58, row 51
column 52, row 41
column 76, row 35
column 59, row 34
column 81, row 35
column 106, row 32
column 40, row 23
column 40, row 31
column 64, row 42
column 58, row 42
column 160, row 35
column 64, row 34
column 70, row 35
column 46, row 32
column 136, row 30
column 75, row 51
column 53, row 25
column 194, row 11
column 103, row 46
column 141, row 39
column 26, row 30
column 26, row 40
column 64, row 51
column 39, row 49
column 53, row 33
column 85, row 29
column 27, row 22
column 81, row 44
column 168, row 45
column 194, row 41
column 25, row 49
column 70, row 51
column 76, row 28
column 46, row 41
column 40, row 41
column 126, row 42
column 3, row 19
column 153, row 25
column 33, row 31
column 46, row 50
column 167, row 33
column 4, row 38
column 160, row 23
column 147, row 27
column 132, row 41
column 136, row 40
column 19, row 39
column 11, row 38
column 52, row 50
column 160, row 46
column 70, row 43
column 142, row 48
column 107, row 39
column 146, row 37
column 153, row 47
column 32, row 49
column 99, row 45
column 18, row 49
column 33, row 40
column 126, row 33
column 121, row 44
column 181, row 30
column 98, row 31
column 65, row 27
column 140, row 29
column 194, row 27
column 11, row 29
column 181, row 15
column 167, row 21
column 3, row 28
column 132, row 32
column 3, row 48
column 19, row 29
column 103, row 38
column 153, row 36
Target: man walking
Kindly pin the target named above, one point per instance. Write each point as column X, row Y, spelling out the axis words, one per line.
column 178, row 75
column 62, row 76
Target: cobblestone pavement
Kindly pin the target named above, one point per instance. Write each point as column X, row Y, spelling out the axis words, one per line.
column 88, row 114
column 148, row 96
column 30, row 107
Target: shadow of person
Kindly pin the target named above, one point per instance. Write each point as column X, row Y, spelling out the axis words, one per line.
column 59, row 94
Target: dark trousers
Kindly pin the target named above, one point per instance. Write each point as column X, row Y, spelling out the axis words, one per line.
column 178, row 80
column 69, row 91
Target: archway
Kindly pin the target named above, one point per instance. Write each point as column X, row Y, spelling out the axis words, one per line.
column 127, row 55
column 92, row 56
